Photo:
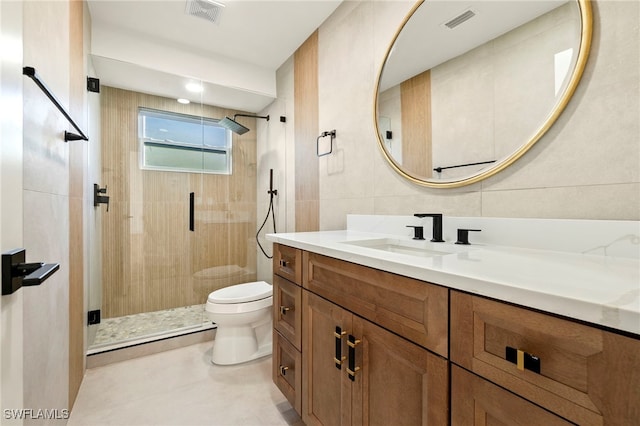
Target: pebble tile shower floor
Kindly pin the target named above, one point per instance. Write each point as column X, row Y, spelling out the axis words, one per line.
column 130, row 327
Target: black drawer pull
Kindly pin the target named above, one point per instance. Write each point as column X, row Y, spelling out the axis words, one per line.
column 284, row 310
column 283, row 263
column 524, row 360
column 283, row 370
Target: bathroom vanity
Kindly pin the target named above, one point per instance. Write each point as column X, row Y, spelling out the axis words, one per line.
column 364, row 333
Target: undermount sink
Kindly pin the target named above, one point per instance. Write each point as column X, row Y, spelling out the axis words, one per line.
column 420, row 248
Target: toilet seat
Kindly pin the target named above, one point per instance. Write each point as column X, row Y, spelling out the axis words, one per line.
column 241, row 293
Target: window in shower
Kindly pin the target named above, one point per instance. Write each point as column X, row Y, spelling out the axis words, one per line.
column 183, row 143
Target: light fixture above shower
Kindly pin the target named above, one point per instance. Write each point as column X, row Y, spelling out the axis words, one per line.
column 235, row 127
column 194, row 87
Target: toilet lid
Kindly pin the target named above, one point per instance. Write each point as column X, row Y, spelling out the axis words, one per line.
column 241, row 293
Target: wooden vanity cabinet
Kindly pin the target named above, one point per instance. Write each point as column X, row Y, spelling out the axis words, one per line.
column 364, row 340
column 357, row 346
column 584, row 374
column 357, row 373
column 287, row 323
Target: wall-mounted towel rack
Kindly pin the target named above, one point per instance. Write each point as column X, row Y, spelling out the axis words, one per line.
column 68, row 136
column 440, row 169
column 331, row 133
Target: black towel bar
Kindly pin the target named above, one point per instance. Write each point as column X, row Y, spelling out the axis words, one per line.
column 68, row 136
column 440, row 169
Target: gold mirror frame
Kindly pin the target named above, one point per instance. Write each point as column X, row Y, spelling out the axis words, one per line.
column 586, row 18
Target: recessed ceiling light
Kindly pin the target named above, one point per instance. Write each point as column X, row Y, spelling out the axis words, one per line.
column 194, row 87
column 184, row 101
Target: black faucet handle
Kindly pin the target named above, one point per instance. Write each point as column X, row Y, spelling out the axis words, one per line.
column 418, row 232
column 421, row 215
column 463, row 236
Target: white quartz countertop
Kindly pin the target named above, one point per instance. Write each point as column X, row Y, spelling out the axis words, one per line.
column 602, row 290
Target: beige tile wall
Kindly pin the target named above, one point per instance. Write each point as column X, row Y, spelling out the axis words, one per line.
column 46, row 206
column 586, row 167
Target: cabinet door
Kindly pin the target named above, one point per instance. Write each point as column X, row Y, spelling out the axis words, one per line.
column 475, row 401
column 326, row 395
column 398, row 383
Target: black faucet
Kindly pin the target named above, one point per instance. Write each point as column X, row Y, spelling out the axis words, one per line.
column 437, row 225
column 463, row 236
column 418, row 232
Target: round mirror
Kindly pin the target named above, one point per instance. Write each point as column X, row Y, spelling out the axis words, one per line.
column 468, row 87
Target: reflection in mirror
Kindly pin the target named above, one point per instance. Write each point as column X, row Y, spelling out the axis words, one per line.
column 467, row 87
column 182, row 194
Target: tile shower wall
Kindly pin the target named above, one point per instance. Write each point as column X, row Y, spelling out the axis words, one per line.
column 586, row 167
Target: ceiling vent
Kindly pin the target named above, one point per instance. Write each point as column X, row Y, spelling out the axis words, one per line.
column 463, row 17
column 205, row 9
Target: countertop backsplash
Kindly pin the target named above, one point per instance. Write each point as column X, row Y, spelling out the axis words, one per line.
column 617, row 238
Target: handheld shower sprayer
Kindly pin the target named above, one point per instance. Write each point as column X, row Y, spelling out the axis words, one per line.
column 272, row 192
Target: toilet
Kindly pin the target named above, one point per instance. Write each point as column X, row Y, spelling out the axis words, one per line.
column 243, row 315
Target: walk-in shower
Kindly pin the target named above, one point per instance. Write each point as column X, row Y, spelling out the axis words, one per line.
column 182, row 214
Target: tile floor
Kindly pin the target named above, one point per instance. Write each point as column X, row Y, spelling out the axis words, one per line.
column 181, row 387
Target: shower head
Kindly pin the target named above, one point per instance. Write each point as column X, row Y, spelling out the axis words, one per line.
column 234, row 126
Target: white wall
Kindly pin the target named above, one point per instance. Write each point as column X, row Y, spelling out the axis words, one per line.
column 586, row 167
column 275, row 151
column 11, row 154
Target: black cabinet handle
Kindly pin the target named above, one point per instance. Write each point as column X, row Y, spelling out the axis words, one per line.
column 338, row 359
column 192, row 201
column 524, row 360
column 352, row 342
column 284, row 310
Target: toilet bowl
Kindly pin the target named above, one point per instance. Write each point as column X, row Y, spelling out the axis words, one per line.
column 243, row 315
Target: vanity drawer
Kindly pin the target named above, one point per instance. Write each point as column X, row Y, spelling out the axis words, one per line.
column 287, row 370
column 476, row 401
column 287, row 310
column 586, row 375
column 287, row 262
column 415, row 310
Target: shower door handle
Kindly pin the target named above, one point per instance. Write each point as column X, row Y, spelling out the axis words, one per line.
column 192, row 199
